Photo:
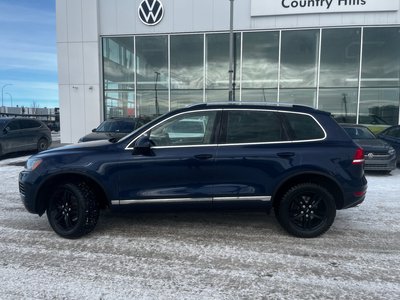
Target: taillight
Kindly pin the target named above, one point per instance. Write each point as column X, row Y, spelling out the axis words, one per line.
column 358, row 157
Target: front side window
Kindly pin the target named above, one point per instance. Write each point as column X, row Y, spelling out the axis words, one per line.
column 245, row 126
column 185, row 130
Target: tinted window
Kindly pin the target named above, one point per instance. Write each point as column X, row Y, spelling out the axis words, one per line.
column 253, row 127
column 304, row 127
column 14, row 125
column 359, row 133
column 186, row 129
column 26, row 124
column 394, row 132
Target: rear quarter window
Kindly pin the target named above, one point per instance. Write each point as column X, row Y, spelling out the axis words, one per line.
column 303, row 127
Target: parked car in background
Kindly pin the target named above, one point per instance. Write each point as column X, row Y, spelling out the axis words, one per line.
column 374, row 123
column 114, row 128
column 392, row 136
column 23, row 134
column 294, row 159
column 379, row 155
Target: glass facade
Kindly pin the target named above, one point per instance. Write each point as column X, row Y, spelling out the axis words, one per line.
column 352, row 72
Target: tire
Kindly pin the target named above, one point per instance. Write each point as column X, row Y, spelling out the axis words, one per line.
column 72, row 210
column 306, row 210
column 42, row 144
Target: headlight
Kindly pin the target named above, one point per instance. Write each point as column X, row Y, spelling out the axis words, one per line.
column 33, row 163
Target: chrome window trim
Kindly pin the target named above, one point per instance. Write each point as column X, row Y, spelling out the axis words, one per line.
column 128, row 147
column 182, row 200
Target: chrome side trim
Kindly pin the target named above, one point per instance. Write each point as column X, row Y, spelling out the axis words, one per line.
column 243, row 198
column 182, row 200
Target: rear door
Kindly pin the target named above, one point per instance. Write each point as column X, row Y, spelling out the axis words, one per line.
column 253, row 152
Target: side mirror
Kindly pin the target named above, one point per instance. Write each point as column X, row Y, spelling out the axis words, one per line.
column 94, row 130
column 143, row 145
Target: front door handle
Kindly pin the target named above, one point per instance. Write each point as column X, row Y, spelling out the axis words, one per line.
column 203, row 156
column 286, row 154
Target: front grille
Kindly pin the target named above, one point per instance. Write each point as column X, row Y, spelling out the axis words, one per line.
column 21, row 188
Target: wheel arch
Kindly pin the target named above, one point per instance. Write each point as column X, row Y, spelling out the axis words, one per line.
column 46, row 188
column 310, row 177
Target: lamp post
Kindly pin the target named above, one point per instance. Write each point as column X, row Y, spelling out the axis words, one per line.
column 231, row 83
column 10, row 98
column 2, row 93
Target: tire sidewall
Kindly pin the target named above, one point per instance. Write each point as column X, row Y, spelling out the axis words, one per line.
column 285, row 204
column 79, row 228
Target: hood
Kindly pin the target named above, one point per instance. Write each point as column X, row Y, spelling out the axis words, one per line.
column 370, row 145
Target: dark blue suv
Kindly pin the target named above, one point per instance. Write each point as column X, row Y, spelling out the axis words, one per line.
column 294, row 159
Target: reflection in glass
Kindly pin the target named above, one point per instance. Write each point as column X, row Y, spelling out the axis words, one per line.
column 340, row 57
column 119, row 104
column 260, row 95
column 260, row 60
column 217, row 63
column 380, row 102
column 146, row 102
column 298, row 96
column 341, row 102
column 118, row 63
column 381, row 59
column 181, row 98
column 187, row 61
column 187, row 70
column 152, row 74
column 299, row 58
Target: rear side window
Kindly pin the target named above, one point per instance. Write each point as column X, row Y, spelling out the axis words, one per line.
column 27, row 124
column 244, row 126
column 303, row 127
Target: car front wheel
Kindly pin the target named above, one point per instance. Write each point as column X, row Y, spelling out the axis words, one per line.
column 72, row 210
column 306, row 210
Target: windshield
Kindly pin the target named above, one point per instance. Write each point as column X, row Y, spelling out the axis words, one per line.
column 359, row 133
column 116, row 126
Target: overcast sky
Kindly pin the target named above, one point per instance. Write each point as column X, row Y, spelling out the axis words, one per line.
column 28, row 58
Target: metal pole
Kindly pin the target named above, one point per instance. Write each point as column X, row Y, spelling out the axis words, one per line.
column 155, row 89
column 10, row 98
column 2, row 93
column 231, row 95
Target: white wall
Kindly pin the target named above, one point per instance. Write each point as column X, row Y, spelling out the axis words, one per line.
column 78, row 67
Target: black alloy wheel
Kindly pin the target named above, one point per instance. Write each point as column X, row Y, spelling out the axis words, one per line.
column 72, row 211
column 307, row 210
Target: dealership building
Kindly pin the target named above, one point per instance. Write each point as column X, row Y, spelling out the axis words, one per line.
column 146, row 57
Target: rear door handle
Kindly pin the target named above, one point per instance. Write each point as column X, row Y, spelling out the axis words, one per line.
column 286, row 154
column 203, row 156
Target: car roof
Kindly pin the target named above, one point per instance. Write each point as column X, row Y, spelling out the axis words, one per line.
column 255, row 105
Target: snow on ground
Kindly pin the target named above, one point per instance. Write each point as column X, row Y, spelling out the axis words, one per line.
column 201, row 255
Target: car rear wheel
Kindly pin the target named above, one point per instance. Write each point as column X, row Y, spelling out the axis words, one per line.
column 42, row 145
column 73, row 210
column 307, row 210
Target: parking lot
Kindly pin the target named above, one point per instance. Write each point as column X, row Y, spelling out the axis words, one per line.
column 202, row 255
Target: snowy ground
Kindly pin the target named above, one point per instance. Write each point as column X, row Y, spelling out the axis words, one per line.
column 203, row 255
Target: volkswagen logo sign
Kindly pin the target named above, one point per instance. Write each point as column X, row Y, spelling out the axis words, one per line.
column 151, row 12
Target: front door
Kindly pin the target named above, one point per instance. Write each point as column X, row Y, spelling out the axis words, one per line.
column 180, row 165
